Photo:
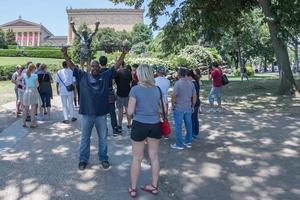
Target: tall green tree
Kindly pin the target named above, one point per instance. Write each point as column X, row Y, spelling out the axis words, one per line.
column 2, row 39
column 141, row 33
column 10, row 37
column 214, row 18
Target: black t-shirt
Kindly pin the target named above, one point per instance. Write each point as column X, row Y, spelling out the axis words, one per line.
column 123, row 80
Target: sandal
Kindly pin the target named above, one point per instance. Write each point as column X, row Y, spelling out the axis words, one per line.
column 132, row 192
column 153, row 191
column 33, row 126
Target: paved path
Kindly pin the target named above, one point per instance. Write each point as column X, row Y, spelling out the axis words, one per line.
column 239, row 156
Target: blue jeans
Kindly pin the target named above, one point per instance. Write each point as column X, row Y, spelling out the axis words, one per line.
column 195, row 121
column 180, row 116
column 113, row 117
column 87, row 124
column 215, row 94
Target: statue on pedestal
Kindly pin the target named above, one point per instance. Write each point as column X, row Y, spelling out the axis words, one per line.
column 85, row 44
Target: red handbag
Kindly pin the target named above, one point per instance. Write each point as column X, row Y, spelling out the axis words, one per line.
column 165, row 127
column 164, row 124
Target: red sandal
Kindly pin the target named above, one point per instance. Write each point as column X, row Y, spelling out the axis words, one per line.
column 153, row 191
column 130, row 191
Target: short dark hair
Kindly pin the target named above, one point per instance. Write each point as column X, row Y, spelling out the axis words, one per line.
column 215, row 64
column 182, row 71
column 64, row 64
column 135, row 66
column 103, row 60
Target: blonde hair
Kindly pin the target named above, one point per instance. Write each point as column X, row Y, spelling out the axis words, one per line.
column 145, row 75
column 30, row 68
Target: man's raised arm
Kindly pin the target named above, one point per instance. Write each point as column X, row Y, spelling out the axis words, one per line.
column 125, row 50
column 70, row 63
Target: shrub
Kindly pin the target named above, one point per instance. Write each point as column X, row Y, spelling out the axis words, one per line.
column 30, row 53
column 6, row 71
column 249, row 69
column 12, row 46
column 199, row 56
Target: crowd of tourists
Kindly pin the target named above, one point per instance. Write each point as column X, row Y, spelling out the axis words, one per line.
column 139, row 92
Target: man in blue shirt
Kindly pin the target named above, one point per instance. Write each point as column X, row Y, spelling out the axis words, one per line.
column 94, row 106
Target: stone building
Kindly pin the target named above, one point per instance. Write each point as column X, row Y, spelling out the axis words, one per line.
column 32, row 34
column 119, row 19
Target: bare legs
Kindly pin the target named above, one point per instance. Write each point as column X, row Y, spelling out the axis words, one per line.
column 32, row 115
column 138, row 154
column 120, row 117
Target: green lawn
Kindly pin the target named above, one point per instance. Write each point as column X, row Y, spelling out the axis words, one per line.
column 52, row 63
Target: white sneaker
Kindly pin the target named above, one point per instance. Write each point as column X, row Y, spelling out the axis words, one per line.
column 211, row 110
column 188, row 145
column 174, row 146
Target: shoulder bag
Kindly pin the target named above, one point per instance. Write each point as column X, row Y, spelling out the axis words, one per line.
column 164, row 124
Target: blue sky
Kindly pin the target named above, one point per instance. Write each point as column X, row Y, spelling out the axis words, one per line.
column 52, row 13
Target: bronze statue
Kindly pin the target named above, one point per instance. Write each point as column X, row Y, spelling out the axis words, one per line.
column 85, row 44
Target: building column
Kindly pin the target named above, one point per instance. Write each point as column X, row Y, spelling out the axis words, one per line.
column 17, row 34
column 27, row 38
column 39, row 40
column 22, row 39
column 33, row 38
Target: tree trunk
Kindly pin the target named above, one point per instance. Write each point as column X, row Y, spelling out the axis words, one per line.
column 287, row 81
column 296, row 60
column 265, row 64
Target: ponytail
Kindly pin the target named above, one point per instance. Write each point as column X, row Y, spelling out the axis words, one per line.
column 29, row 69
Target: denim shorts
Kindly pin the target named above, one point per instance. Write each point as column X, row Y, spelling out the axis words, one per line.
column 140, row 131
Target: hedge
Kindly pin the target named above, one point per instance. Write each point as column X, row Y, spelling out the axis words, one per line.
column 250, row 71
column 31, row 53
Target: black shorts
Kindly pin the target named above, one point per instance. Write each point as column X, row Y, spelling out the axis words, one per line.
column 141, row 131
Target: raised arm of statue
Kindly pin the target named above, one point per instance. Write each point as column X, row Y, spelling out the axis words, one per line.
column 96, row 29
column 73, row 28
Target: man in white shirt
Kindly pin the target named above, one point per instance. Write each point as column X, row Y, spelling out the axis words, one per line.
column 64, row 78
column 163, row 83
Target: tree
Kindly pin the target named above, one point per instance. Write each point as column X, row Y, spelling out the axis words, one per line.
column 2, row 39
column 108, row 40
column 141, row 33
column 214, row 18
column 10, row 37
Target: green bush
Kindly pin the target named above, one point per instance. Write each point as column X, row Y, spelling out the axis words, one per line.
column 12, row 46
column 42, row 48
column 6, row 72
column 30, row 53
column 249, row 69
column 199, row 56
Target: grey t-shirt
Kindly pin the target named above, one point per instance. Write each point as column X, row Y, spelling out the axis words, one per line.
column 147, row 104
column 184, row 90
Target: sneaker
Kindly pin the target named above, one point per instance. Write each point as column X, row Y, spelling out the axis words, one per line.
column 119, row 129
column 211, row 110
column 195, row 137
column 219, row 110
column 105, row 164
column 66, row 121
column 73, row 119
column 174, row 146
column 115, row 133
column 82, row 165
column 166, row 137
column 188, row 145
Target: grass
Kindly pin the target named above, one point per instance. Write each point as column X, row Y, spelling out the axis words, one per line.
column 259, row 94
column 13, row 61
